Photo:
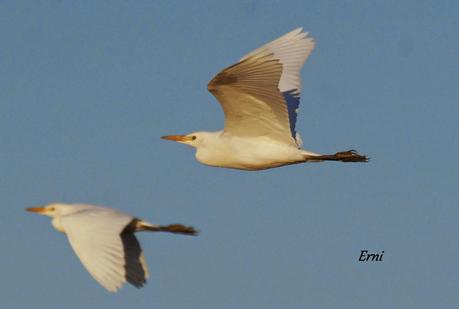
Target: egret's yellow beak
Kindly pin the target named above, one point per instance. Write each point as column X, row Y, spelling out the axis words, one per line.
column 39, row 210
column 178, row 138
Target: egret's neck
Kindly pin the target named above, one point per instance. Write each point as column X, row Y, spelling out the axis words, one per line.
column 56, row 222
column 214, row 148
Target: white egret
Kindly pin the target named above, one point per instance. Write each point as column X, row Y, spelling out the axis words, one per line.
column 260, row 96
column 104, row 241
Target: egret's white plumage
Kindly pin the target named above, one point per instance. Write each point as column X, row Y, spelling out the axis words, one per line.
column 104, row 241
column 260, row 97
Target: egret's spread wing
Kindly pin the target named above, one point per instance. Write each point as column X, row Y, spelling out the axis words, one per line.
column 260, row 94
column 109, row 252
column 250, row 100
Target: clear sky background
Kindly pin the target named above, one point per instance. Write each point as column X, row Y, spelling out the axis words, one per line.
column 88, row 87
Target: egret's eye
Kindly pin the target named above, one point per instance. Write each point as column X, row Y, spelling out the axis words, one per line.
column 193, row 137
column 51, row 209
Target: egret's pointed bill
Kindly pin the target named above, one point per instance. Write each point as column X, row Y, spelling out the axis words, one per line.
column 36, row 209
column 178, row 138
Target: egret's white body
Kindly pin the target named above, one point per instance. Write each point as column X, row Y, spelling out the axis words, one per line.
column 260, row 97
column 104, row 241
column 248, row 153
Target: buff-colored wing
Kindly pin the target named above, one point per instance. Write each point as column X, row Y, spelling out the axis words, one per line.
column 260, row 94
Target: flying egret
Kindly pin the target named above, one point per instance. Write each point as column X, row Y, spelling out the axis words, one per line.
column 260, row 96
column 104, row 241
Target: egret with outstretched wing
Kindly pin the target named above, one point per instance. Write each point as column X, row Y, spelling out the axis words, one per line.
column 104, row 240
column 260, row 96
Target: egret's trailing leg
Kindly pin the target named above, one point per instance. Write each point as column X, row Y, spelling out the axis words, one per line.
column 344, row 156
column 177, row 228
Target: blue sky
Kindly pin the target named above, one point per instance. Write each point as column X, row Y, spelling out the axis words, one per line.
column 88, row 88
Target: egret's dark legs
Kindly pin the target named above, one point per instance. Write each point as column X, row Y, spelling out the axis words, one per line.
column 344, row 156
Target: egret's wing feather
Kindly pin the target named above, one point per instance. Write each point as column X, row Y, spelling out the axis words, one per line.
column 95, row 236
column 260, row 94
column 292, row 50
column 250, row 100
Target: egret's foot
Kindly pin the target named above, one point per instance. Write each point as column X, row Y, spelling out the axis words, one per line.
column 178, row 229
column 343, row 156
column 350, row 156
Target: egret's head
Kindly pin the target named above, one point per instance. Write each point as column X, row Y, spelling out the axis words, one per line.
column 193, row 139
column 52, row 210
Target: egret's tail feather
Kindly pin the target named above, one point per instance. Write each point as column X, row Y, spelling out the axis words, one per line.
column 172, row 228
column 344, row 156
